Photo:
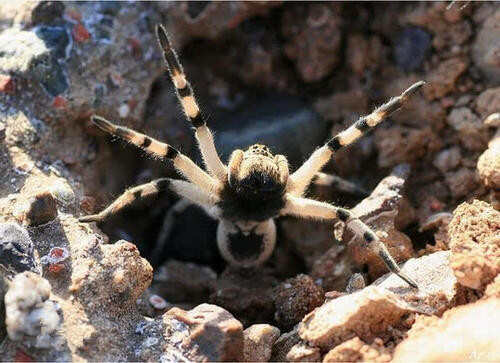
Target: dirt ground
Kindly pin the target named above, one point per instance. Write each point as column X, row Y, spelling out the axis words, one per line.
column 290, row 75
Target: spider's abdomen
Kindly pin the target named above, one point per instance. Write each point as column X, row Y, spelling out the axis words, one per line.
column 246, row 245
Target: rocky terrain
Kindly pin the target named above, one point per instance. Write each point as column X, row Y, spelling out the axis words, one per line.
column 427, row 180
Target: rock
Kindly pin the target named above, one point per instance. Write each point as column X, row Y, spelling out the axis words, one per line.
column 439, row 224
column 365, row 313
column 379, row 211
column 211, row 333
column 469, row 127
column 475, row 244
column 401, row 144
column 294, row 298
column 46, row 12
column 493, row 289
column 283, row 345
column 184, row 282
column 441, row 80
column 301, row 352
column 488, row 165
column 120, row 277
column 208, row 20
column 16, row 250
column 461, row 182
column 42, row 209
column 258, row 340
column 411, row 48
column 246, row 294
column 486, row 48
column 355, row 350
column 333, row 268
column 469, row 333
column 313, row 38
column 488, row 102
column 25, row 55
column 31, row 317
column 356, row 282
column 448, row 159
column 438, row 289
column 364, row 54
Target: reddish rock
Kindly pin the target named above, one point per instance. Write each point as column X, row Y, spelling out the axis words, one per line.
column 7, row 84
column 59, row 102
column 80, row 33
column 442, row 80
column 475, row 244
column 294, row 298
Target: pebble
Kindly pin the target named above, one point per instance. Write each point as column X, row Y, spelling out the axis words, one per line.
column 42, row 209
column 411, row 48
column 16, row 249
column 294, row 298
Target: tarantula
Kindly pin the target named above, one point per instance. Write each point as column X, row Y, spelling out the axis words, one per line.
column 254, row 188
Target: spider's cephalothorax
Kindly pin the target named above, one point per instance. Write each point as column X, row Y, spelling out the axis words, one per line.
column 254, row 188
column 255, row 185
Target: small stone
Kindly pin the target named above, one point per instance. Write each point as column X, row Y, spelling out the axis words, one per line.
column 283, row 345
column 207, row 333
column 365, row 313
column 462, row 182
column 47, row 12
column 16, row 249
column 59, row 102
column 32, row 318
column 294, row 298
column 411, row 48
column 448, row 159
column 42, row 209
column 355, row 283
column 258, row 340
column 488, row 102
column 301, row 352
column 7, row 84
column 442, row 79
column 158, row 302
column 56, row 39
column 486, row 48
column 475, row 244
column 80, row 33
column 469, row 127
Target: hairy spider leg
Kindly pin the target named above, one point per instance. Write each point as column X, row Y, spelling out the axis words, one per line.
column 191, row 109
column 164, row 152
column 302, row 177
column 150, row 190
column 303, row 207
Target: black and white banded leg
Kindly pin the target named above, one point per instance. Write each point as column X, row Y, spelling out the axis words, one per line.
column 303, row 176
column 149, row 190
column 191, row 109
column 164, row 152
column 339, row 184
column 303, row 207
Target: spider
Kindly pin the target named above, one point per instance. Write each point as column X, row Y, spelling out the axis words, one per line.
column 254, row 188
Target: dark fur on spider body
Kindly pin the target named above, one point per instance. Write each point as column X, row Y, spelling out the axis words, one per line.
column 255, row 186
